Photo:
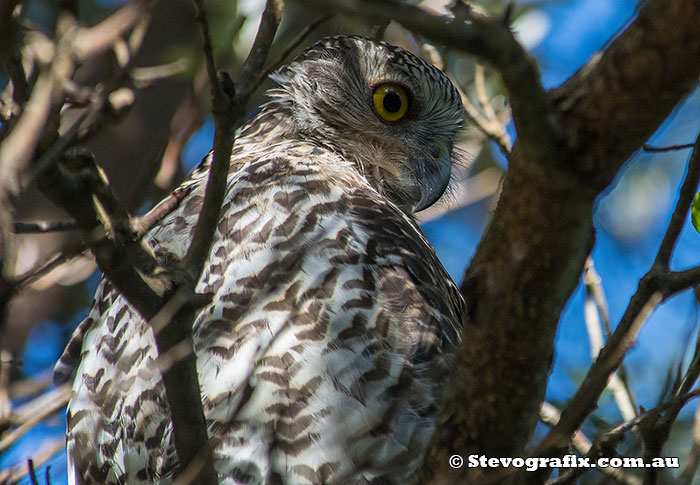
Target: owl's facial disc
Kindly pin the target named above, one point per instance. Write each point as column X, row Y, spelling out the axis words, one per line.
column 387, row 111
column 423, row 172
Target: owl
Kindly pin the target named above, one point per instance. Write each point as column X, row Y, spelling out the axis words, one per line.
column 324, row 352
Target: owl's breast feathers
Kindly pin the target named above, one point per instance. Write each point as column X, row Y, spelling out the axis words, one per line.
column 321, row 356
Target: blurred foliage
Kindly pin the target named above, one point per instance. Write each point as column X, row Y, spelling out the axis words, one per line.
column 695, row 212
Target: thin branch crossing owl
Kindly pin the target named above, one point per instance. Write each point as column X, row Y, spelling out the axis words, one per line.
column 325, row 349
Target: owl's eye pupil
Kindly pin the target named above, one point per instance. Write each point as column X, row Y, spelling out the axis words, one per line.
column 392, row 102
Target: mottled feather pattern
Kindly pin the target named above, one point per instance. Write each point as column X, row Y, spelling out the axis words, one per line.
column 323, row 353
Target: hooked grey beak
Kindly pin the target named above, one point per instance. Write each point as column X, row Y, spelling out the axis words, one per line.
column 436, row 178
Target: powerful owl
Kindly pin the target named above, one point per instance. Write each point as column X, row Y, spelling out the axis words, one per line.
column 324, row 352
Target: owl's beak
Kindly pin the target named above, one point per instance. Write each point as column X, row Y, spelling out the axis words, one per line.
column 435, row 179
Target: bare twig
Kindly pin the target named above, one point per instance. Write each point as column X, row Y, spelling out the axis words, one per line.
column 610, row 439
column 583, row 401
column 93, row 40
column 293, row 45
column 255, row 62
column 227, row 111
column 615, row 435
column 19, row 146
column 649, row 148
column 28, row 415
column 145, row 76
column 5, row 403
column 31, row 472
column 43, row 227
column 493, row 129
column 481, row 94
column 101, row 205
column 685, row 198
column 595, row 310
column 181, row 383
column 84, row 193
column 693, row 461
column 17, row 149
column 493, row 41
column 656, row 431
column 594, row 286
column 27, row 387
column 654, row 287
column 46, row 100
column 224, row 119
column 51, row 263
column 80, row 187
column 550, row 416
column 139, row 227
column 49, row 449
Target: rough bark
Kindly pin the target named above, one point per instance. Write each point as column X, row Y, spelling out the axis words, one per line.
column 530, row 258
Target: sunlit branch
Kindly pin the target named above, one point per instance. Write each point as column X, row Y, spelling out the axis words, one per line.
column 657, row 285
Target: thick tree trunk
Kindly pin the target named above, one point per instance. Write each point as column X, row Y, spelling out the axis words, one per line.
column 532, row 254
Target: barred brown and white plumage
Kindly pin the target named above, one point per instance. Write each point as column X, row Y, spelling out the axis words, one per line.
column 322, row 355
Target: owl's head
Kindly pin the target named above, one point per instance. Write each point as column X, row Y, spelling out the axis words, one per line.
column 391, row 113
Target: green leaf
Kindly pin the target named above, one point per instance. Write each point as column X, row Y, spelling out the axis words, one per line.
column 695, row 212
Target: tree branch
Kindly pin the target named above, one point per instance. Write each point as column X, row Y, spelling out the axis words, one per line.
column 614, row 103
column 294, row 44
column 77, row 185
column 228, row 106
column 173, row 324
column 139, row 227
column 643, row 303
column 550, row 416
column 491, row 40
column 128, row 264
column 693, row 461
column 254, row 63
column 680, row 213
column 657, row 285
column 593, row 311
column 18, row 148
column 34, row 412
column 43, row 227
column 29, row 133
column 649, row 148
column 657, row 431
column 93, row 40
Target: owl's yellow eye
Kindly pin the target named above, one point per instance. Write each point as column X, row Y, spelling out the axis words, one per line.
column 390, row 102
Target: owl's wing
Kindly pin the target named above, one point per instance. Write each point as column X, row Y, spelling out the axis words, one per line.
column 321, row 356
column 105, row 295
